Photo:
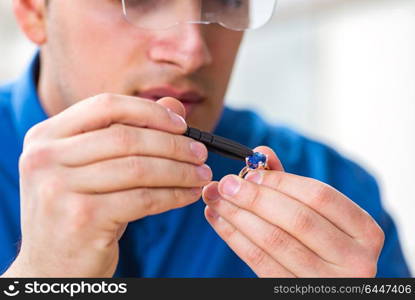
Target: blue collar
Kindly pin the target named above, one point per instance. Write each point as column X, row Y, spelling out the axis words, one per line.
column 26, row 108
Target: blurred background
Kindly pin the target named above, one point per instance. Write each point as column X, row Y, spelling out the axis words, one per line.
column 340, row 71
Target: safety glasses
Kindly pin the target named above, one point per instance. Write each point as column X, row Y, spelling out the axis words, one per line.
column 231, row 14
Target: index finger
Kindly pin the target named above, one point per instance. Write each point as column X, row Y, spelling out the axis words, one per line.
column 322, row 198
column 103, row 110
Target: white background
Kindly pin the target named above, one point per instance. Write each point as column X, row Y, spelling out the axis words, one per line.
column 342, row 71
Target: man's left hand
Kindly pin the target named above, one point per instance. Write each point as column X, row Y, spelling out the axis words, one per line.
column 284, row 225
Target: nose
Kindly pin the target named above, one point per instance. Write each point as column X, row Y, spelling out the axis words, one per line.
column 183, row 46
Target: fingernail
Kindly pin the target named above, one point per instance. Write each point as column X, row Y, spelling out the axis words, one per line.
column 212, row 193
column 177, row 119
column 204, row 172
column 212, row 213
column 199, row 150
column 230, row 186
column 255, row 177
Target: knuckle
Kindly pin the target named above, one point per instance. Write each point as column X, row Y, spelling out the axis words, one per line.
column 322, row 195
column 255, row 256
column 185, row 173
column 302, row 221
column 276, row 240
column 379, row 240
column 104, row 242
column 122, row 138
column 33, row 133
column 104, row 100
column 51, row 189
column 228, row 232
column 35, row 157
column 374, row 236
column 174, row 146
column 104, row 104
column 194, row 197
column 184, row 196
column 253, row 198
column 179, row 195
column 143, row 199
column 150, row 206
column 136, row 166
column 80, row 213
column 277, row 178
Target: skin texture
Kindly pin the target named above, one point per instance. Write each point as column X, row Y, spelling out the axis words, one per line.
column 103, row 140
column 122, row 59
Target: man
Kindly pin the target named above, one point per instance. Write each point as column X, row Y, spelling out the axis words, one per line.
column 97, row 122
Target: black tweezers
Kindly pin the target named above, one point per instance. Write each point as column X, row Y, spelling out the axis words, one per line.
column 220, row 145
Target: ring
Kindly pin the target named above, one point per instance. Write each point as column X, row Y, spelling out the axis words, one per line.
column 256, row 161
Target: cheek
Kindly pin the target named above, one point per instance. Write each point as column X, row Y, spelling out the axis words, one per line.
column 223, row 45
column 97, row 49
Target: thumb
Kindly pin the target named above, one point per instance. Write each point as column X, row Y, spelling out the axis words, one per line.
column 273, row 161
column 174, row 105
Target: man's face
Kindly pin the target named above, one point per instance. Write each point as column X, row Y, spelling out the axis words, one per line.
column 92, row 49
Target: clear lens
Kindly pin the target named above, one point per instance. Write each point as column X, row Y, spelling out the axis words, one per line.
column 232, row 14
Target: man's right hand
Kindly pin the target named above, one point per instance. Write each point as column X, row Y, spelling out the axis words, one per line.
column 88, row 171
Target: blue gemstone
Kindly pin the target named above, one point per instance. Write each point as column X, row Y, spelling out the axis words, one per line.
column 255, row 160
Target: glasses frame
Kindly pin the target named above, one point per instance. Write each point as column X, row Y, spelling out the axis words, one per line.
column 124, row 11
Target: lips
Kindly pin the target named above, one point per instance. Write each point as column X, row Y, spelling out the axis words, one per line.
column 189, row 98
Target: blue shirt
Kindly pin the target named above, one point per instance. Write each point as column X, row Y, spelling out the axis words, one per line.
column 180, row 243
